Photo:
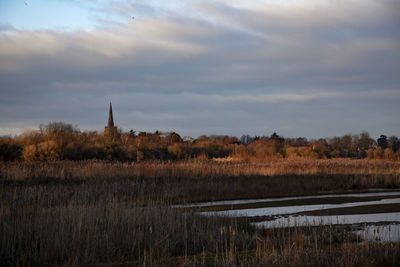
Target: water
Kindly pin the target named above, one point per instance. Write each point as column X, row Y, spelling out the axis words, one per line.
column 261, row 200
column 273, row 211
column 384, row 227
column 388, row 229
column 305, row 220
column 383, row 233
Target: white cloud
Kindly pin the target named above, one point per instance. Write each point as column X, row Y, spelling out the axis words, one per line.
column 25, row 43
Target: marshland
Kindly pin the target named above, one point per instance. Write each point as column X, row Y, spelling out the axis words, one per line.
column 246, row 133
column 119, row 198
column 149, row 212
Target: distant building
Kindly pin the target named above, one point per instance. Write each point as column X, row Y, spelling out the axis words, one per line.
column 110, row 130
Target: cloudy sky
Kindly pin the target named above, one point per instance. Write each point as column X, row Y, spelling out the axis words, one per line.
column 312, row 68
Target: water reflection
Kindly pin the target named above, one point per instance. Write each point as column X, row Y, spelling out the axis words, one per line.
column 273, row 211
column 261, row 200
column 377, row 226
column 304, row 220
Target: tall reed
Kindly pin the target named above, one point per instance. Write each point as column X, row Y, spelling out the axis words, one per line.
column 99, row 213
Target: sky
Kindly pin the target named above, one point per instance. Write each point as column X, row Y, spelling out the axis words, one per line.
column 301, row 68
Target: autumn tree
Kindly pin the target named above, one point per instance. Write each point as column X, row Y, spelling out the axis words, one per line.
column 61, row 134
column 321, row 147
column 365, row 141
column 174, row 138
column 383, row 142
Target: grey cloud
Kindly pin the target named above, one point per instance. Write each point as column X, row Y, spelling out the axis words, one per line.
column 221, row 70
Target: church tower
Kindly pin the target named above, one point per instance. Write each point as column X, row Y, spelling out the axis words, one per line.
column 110, row 130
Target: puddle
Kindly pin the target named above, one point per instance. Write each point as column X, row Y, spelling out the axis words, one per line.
column 383, row 227
column 272, row 211
column 305, row 220
column 260, row 200
column 387, row 231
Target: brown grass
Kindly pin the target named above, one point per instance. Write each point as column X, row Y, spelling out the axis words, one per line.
column 208, row 180
column 97, row 213
column 194, row 168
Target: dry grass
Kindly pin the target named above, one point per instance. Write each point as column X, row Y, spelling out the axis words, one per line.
column 188, row 181
column 195, row 168
column 97, row 213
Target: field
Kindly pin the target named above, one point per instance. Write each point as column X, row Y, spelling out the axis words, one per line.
column 104, row 213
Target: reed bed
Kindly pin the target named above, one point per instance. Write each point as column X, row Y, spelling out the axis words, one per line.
column 195, row 168
column 189, row 181
column 113, row 214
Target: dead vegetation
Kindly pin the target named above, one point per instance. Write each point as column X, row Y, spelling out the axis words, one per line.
column 99, row 213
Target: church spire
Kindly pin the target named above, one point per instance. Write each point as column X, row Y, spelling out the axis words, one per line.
column 110, row 118
column 110, row 131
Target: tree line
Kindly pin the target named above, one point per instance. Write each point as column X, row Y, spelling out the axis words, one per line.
column 61, row 141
